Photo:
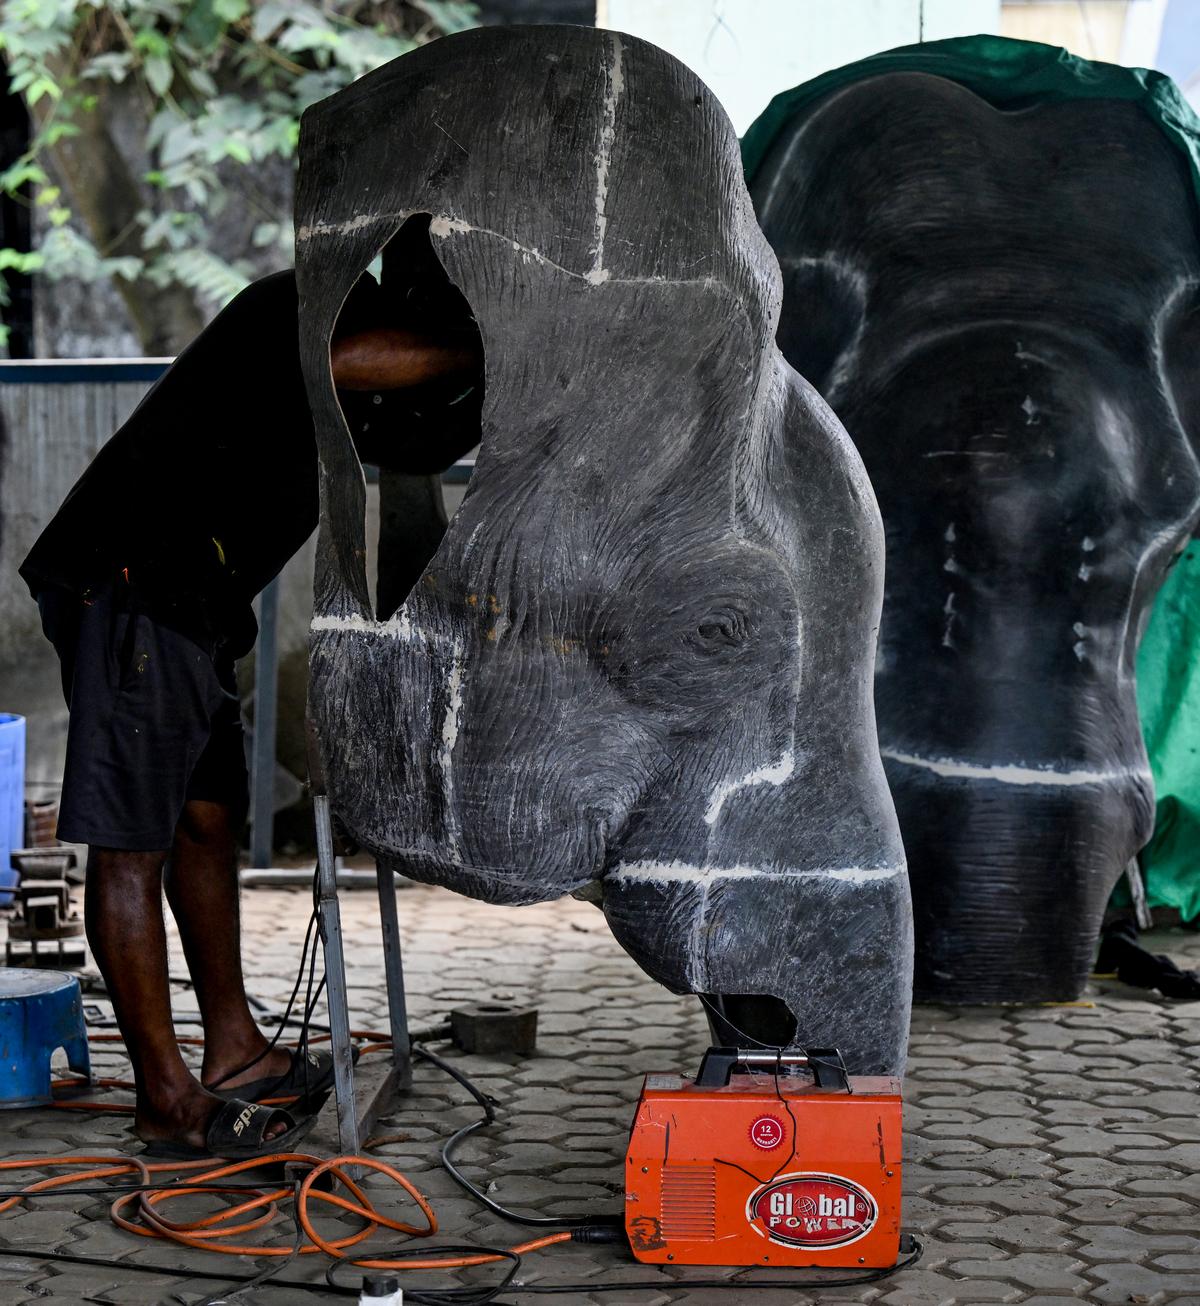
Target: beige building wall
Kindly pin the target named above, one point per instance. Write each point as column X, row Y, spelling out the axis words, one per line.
column 1114, row 31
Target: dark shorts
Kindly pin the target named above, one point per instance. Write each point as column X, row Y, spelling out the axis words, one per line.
column 155, row 722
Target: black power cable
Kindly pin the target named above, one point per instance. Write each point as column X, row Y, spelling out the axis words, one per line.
column 914, row 1253
column 489, row 1116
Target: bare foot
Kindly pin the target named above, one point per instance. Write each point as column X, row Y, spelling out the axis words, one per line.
column 184, row 1118
column 228, row 1068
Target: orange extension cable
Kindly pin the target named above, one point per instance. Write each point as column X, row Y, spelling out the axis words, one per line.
column 212, row 1232
column 140, row 1212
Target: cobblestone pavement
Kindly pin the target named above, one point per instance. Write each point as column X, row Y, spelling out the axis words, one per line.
column 1051, row 1153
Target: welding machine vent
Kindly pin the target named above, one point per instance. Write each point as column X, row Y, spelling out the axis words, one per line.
column 689, row 1202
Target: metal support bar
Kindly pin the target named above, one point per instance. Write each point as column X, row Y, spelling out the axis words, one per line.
column 262, row 770
column 329, row 922
column 393, row 967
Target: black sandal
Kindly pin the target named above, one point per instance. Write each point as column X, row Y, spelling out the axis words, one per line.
column 236, row 1132
column 309, row 1075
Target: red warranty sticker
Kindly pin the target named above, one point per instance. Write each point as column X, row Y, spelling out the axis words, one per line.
column 767, row 1132
column 812, row 1210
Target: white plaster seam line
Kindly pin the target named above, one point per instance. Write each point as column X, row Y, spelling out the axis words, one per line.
column 684, row 873
column 397, row 627
column 774, row 773
column 443, row 226
column 450, row 725
column 608, row 135
column 1014, row 775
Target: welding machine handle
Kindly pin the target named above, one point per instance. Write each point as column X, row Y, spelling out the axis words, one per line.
column 719, row 1063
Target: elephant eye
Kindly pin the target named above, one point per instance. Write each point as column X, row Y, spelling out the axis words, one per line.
column 724, row 629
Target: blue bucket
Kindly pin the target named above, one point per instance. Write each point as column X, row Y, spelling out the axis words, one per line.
column 12, row 799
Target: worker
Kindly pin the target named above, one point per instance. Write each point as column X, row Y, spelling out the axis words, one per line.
column 145, row 579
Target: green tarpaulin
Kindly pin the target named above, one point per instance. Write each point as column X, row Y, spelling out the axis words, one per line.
column 1014, row 74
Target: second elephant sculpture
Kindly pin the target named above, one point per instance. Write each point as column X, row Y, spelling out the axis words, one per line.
column 996, row 289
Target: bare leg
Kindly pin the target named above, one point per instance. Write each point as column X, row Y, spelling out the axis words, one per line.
column 202, row 889
column 123, row 908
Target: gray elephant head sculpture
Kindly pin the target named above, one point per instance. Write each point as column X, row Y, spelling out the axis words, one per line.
column 639, row 663
column 1002, row 308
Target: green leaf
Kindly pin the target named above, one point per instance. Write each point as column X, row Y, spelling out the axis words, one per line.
column 60, row 216
column 22, row 173
column 203, row 25
column 152, row 43
column 203, row 82
column 160, row 75
column 49, row 195
column 59, row 130
column 231, row 11
column 20, row 261
column 114, row 64
column 19, row 81
column 40, row 87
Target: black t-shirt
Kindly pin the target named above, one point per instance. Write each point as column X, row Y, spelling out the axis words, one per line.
column 199, row 500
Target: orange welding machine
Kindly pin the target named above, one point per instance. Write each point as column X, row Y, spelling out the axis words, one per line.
column 766, row 1159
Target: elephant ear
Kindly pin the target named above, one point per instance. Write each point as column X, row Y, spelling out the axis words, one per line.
column 819, row 335
column 1179, row 359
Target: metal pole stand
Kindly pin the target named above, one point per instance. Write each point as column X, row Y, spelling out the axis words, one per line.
column 362, row 1096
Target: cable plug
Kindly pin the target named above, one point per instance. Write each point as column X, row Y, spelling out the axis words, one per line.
column 599, row 1233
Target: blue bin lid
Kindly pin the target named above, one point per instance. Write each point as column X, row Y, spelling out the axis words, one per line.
column 16, row 983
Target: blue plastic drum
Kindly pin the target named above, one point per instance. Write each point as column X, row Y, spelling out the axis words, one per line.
column 12, row 798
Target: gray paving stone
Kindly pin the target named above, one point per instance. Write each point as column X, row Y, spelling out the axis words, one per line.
column 1037, row 1270
column 1014, row 1162
column 942, row 1248
column 1172, row 1184
column 1005, row 1131
column 1184, row 1155
column 930, row 1288
column 1076, row 1141
column 985, row 1104
column 1020, row 1232
column 919, row 1178
column 1118, row 1242
column 1041, row 1300
column 1026, row 1196
column 1171, row 1102
column 1178, row 1261
column 1104, row 1172
column 1069, row 1112
column 1188, row 1220
column 1101, row 1206
column 1127, row 1282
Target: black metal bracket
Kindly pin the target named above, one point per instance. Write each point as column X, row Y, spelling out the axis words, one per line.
column 720, row 1063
